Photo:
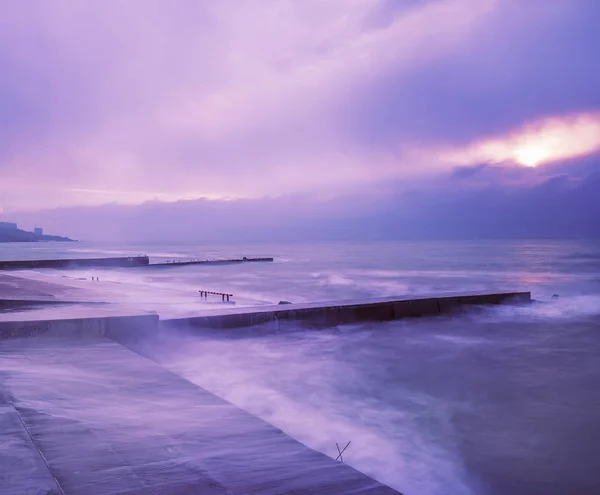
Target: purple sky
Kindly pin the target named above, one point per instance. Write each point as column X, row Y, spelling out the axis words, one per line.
column 312, row 118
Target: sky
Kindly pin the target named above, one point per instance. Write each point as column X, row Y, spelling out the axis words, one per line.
column 280, row 119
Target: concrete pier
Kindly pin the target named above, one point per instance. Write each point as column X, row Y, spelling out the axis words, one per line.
column 23, row 469
column 129, row 261
column 80, row 414
column 18, row 293
column 233, row 261
column 342, row 312
column 96, row 324
column 122, row 262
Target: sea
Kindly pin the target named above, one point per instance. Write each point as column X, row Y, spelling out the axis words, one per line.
column 495, row 401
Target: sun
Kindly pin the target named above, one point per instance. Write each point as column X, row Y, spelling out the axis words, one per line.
column 530, row 156
column 538, row 143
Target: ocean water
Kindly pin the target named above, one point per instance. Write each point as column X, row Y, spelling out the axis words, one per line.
column 497, row 401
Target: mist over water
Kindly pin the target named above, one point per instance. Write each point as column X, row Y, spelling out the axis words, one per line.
column 308, row 272
column 495, row 401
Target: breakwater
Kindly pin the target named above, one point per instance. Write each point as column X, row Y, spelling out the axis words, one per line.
column 122, row 262
column 320, row 314
column 98, row 324
column 52, row 357
column 233, row 261
column 342, row 312
column 129, row 261
column 63, row 385
column 15, row 304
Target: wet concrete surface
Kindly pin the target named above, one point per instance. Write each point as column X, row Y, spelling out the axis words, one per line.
column 101, row 419
column 39, row 291
column 22, row 467
column 12, row 287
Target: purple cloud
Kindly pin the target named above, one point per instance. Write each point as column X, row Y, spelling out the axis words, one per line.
column 528, row 61
column 558, row 201
column 113, row 102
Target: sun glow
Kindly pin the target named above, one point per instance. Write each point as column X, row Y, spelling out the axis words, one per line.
column 541, row 142
column 530, row 156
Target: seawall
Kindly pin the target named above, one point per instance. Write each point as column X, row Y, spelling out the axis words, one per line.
column 13, row 304
column 123, row 262
column 82, row 414
column 335, row 313
column 172, row 436
column 130, row 261
column 103, row 319
column 97, row 325
column 233, row 261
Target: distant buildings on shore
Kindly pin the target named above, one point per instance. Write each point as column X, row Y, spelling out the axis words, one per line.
column 11, row 227
column 10, row 232
column 8, row 226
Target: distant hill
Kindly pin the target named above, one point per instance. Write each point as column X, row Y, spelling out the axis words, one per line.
column 18, row 235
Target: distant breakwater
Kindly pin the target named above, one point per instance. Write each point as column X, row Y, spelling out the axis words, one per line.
column 175, row 263
column 129, row 261
column 123, row 262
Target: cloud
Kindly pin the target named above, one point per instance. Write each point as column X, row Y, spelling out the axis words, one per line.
column 470, row 202
column 541, row 142
column 527, row 62
column 200, row 98
column 144, row 100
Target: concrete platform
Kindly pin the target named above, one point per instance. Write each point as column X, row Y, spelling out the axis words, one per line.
column 92, row 316
column 217, row 262
column 343, row 312
column 81, row 413
column 75, row 322
column 22, row 467
column 126, row 261
column 91, row 417
column 38, row 290
column 19, row 289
